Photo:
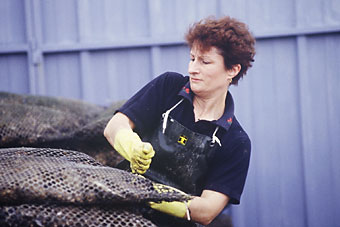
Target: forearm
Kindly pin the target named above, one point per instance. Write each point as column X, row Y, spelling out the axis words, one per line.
column 117, row 122
column 205, row 208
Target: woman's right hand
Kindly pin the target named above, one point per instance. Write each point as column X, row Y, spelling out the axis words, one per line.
column 130, row 146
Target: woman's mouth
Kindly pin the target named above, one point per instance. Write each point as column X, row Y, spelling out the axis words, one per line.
column 195, row 79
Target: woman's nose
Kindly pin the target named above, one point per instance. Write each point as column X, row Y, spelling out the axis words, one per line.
column 193, row 68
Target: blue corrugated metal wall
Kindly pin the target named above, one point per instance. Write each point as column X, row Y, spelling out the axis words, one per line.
column 103, row 51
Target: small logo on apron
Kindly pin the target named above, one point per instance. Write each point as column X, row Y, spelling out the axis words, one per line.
column 182, row 140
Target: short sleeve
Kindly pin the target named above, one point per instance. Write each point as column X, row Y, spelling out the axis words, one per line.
column 229, row 168
column 147, row 105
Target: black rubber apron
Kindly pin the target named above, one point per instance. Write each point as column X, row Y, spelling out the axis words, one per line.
column 181, row 155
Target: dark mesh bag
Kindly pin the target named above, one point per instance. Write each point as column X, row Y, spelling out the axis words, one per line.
column 41, row 121
column 62, row 173
column 44, row 186
column 65, row 215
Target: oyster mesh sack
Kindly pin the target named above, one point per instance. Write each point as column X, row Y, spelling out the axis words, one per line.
column 42, row 121
column 56, row 167
column 57, row 187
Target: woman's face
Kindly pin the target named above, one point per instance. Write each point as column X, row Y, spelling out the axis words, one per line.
column 208, row 75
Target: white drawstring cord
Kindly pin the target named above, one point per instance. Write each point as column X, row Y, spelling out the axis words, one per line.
column 166, row 115
column 215, row 138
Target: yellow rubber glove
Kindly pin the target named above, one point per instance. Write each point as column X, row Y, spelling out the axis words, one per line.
column 178, row 209
column 130, row 146
column 175, row 208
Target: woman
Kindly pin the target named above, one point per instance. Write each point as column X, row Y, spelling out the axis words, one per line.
column 191, row 139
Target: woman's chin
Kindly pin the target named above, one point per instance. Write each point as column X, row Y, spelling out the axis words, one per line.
column 196, row 90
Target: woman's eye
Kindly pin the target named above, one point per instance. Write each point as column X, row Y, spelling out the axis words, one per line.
column 206, row 62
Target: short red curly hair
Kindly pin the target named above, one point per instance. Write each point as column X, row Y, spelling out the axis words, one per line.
column 230, row 36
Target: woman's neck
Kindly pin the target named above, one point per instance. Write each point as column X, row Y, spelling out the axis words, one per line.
column 209, row 108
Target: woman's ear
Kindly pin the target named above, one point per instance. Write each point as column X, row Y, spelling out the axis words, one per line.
column 235, row 70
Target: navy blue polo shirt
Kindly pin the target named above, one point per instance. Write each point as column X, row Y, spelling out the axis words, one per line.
column 228, row 168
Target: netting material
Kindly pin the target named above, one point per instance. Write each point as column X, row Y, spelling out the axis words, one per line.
column 41, row 121
column 36, row 184
column 41, row 185
column 85, row 110
column 59, row 215
column 27, row 124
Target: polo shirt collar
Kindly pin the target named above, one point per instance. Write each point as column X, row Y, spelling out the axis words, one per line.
column 227, row 118
column 186, row 92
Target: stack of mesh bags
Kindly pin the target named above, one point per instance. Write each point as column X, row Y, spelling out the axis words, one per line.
column 42, row 121
column 57, row 169
column 58, row 187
